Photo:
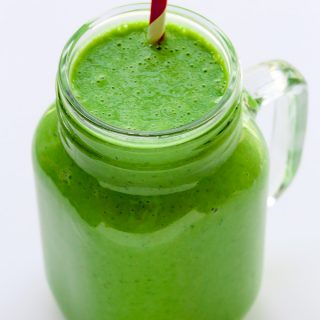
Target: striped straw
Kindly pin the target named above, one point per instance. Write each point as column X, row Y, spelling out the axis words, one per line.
column 157, row 20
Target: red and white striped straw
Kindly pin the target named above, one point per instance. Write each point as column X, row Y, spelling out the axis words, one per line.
column 157, row 20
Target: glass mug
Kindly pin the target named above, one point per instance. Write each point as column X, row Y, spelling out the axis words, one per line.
column 164, row 225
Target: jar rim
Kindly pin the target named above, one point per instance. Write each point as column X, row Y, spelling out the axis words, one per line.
column 86, row 119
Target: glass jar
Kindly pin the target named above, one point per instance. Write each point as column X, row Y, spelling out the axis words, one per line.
column 163, row 225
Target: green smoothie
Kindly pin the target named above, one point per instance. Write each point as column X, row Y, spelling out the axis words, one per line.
column 167, row 253
column 123, row 81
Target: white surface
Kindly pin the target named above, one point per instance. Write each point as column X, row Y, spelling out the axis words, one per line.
column 33, row 33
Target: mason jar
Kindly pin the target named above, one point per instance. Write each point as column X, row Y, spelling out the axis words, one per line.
column 165, row 225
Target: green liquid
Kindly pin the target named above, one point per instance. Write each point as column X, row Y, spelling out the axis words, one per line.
column 114, row 255
column 125, row 82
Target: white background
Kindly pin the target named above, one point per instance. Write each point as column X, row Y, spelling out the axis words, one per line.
column 32, row 34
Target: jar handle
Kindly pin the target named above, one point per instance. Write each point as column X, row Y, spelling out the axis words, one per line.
column 279, row 84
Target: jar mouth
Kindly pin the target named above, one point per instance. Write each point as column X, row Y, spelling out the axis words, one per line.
column 140, row 12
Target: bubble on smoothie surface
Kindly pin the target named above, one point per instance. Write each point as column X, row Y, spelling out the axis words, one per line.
column 125, row 82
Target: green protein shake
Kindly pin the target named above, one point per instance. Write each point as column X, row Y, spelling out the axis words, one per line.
column 122, row 80
column 169, row 232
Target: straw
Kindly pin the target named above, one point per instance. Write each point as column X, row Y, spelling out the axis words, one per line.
column 157, row 21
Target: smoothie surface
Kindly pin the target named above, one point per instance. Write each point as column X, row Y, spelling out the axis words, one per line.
column 125, row 82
